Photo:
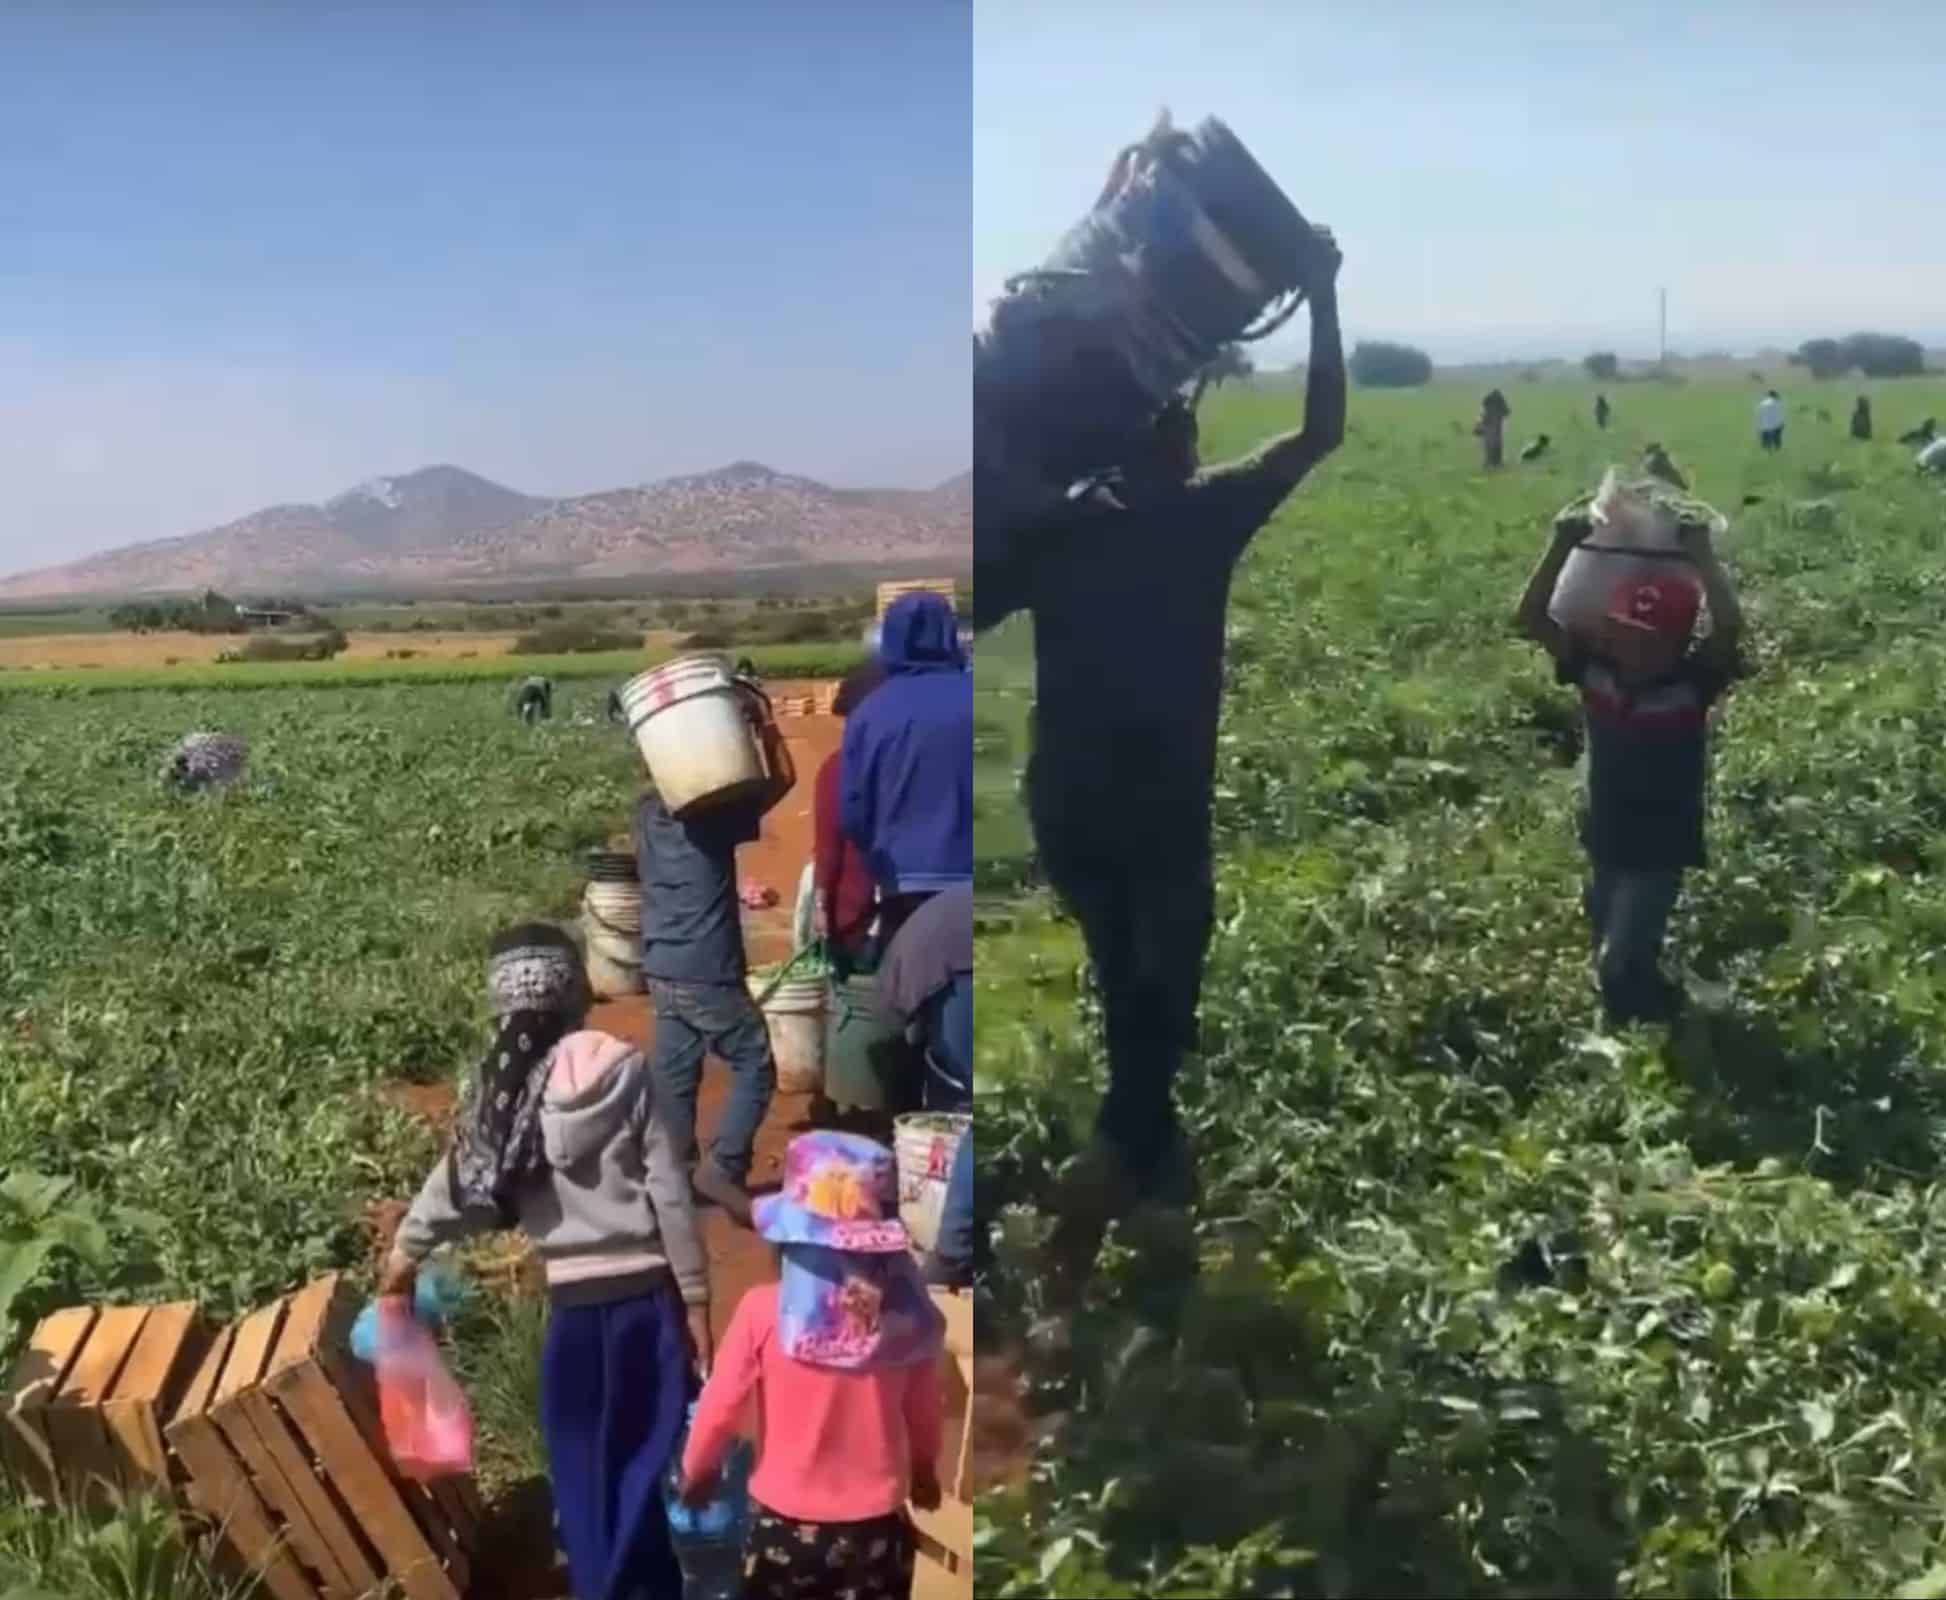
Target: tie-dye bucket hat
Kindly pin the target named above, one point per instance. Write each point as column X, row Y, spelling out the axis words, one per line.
column 840, row 1191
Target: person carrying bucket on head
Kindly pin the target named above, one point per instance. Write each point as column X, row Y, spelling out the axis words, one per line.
column 907, row 772
column 1129, row 592
column 1647, row 686
column 925, row 987
column 845, row 893
column 694, row 964
column 534, row 700
column 842, row 1354
column 562, row 1135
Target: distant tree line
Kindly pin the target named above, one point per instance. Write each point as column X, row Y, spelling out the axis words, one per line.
column 210, row 613
column 1876, row 355
column 1374, row 364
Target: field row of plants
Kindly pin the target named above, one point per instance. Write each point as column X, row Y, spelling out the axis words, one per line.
column 1490, row 1302
column 774, row 661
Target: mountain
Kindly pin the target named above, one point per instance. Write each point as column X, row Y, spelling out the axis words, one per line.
column 441, row 525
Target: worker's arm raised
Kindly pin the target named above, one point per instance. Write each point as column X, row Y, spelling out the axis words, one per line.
column 1286, row 460
column 1531, row 620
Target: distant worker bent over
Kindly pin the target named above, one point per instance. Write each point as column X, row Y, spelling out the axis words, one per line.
column 1128, row 588
column 534, row 700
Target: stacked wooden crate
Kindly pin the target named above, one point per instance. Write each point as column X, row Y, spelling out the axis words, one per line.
column 280, row 1436
column 90, row 1396
column 946, row 1535
column 889, row 592
column 268, row 1431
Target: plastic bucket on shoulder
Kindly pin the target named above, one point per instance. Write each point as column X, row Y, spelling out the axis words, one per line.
column 691, row 723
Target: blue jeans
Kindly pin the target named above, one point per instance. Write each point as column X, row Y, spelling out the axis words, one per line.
column 1628, row 917
column 948, row 1028
column 956, row 1215
column 720, row 1019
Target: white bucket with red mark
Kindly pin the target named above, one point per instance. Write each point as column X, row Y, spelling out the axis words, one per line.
column 691, row 721
column 925, row 1143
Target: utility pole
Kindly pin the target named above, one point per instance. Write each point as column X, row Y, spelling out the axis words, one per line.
column 1662, row 335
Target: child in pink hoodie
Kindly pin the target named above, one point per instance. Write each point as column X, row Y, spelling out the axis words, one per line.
column 561, row 1136
column 843, row 1352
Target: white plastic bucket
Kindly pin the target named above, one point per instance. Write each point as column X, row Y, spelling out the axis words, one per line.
column 614, row 963
column 925, row 1143
column 690, row 722
column 618, row 905
column 1635, row 536
column 610, row 980
column 794, row 1014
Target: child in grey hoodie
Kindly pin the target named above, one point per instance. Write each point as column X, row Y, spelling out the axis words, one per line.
column 560, row 1136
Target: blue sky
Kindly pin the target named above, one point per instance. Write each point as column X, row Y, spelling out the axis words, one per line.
column 258, row 253
column 1514, row 179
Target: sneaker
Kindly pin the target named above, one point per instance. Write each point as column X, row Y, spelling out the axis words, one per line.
column 713, row 1186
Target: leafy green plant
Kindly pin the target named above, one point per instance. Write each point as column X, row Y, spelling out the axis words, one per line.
column 141, row 1552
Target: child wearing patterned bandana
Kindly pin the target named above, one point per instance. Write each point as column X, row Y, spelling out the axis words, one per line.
column 843, row 1354
column 1647, row 687
column 562, row 1135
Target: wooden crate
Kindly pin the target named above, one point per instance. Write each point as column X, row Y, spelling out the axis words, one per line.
column 280, row 1439
column 946, row 1535
column 88, row 1398
column 889, row 592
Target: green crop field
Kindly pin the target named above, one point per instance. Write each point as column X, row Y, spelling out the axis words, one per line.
column 1492, row 1303
column 201, row 997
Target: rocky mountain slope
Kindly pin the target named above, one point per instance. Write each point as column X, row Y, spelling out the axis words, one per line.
column 442, row 525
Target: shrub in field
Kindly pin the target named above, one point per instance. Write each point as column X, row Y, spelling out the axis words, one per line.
column 279, row 647
column 1375, row 364
column 1604, row 366
column 573, row 638
column 1876, row 355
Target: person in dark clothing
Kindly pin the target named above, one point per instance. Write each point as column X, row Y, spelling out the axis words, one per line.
column 925, row 987
column 534, row 700
column 1861, row 419
column 617, row 713
column 1602, row 412
column 1646, row 692
column 907, row 774
column 1122, row 771
column 846, row 895
column 1492, row 426
column 694, row 965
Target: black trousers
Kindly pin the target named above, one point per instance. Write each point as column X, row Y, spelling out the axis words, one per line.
column 1146, row 912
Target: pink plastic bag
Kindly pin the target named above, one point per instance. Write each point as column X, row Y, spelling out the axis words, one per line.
column 428, row 1425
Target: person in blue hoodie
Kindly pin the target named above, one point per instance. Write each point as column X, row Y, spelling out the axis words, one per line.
column 907, row 762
